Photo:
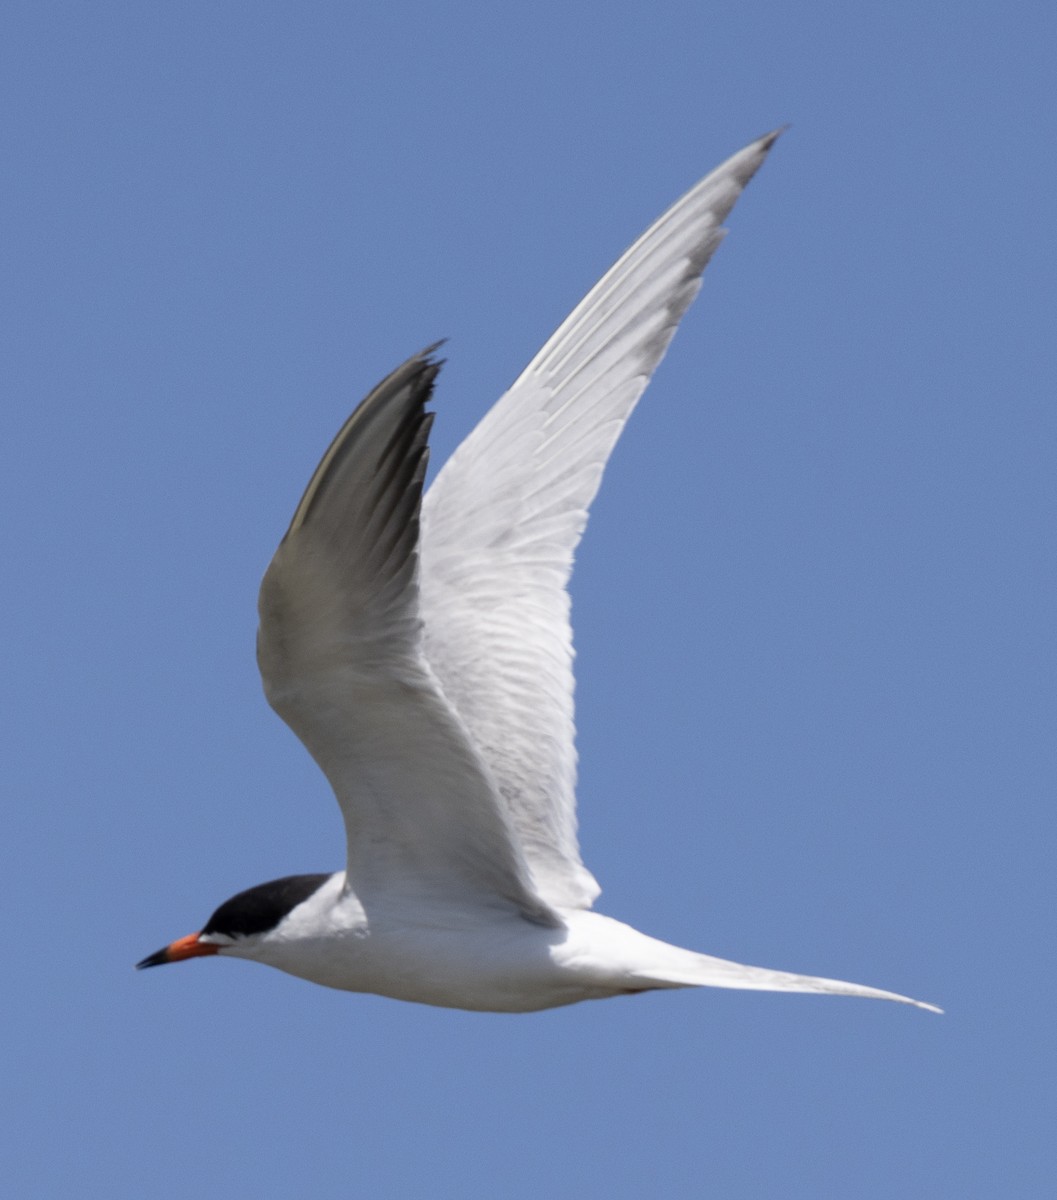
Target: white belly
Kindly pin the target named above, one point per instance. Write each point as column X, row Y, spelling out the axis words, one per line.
column 504, row 964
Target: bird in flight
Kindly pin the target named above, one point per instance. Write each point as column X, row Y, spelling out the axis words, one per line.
column 420, row 648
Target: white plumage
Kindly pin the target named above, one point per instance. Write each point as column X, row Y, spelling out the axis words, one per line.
column 421, row 650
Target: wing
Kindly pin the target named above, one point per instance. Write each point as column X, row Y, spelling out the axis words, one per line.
column 340, row 653
column 503, row 519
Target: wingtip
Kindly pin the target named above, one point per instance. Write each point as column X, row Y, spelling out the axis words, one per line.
column 427, row 355
column 763, row 145
column 744, row 165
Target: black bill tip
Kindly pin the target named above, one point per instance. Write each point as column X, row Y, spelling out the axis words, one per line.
column 158, row 959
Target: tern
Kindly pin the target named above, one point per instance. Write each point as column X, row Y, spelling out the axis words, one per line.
column 420, row 647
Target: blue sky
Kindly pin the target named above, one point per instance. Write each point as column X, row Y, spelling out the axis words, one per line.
column 814, row 608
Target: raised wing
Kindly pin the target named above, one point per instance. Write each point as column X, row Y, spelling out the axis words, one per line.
column 339, row 649
column 503, row 519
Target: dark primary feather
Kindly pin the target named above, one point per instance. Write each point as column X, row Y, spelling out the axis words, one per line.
column 390, row 429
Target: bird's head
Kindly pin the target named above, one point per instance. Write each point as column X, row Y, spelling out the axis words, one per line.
column 242, row 920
